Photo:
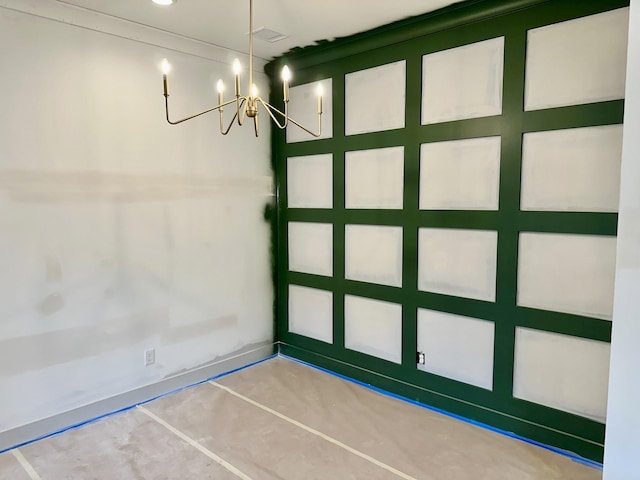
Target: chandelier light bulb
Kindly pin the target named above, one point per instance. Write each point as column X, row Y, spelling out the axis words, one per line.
column 319, row 92
column 220, row 87
column 237, row 68
column 254, row 90
column 165, row 66
column 286, row 73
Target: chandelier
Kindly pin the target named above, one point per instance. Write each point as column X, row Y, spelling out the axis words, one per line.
column 246, row 105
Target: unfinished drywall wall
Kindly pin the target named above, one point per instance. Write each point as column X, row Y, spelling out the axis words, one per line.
column 118, row 232
column 622, row 442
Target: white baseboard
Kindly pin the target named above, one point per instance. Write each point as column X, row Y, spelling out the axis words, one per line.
column 76, row 417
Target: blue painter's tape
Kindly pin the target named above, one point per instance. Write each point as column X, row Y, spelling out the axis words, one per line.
column 565, row 453
column 131, row 407
column 65, row 429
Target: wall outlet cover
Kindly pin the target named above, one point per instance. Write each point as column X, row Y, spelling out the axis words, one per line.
column 149, row 357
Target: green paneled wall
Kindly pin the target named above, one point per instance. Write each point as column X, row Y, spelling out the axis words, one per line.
column 409, row 40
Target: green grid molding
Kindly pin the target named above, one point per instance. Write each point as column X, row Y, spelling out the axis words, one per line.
column 409, row 40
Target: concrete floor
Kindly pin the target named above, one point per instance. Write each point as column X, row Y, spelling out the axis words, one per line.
column 283, row 420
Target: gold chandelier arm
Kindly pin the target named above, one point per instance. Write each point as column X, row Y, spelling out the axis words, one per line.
column 268, row 108
column 255, row 124
column 241, row 106
column 233, row 119
column 297, row 124
column 307, row 130
column 176, row 122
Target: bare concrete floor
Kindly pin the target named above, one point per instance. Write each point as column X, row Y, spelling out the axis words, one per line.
column 283, row 420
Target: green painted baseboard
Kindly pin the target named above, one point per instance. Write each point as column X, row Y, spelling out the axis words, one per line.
column 538, row 433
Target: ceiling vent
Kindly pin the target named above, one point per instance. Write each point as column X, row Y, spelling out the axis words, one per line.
column 267, row 35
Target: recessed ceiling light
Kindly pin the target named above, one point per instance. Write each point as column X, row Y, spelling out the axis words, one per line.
column 164, row 2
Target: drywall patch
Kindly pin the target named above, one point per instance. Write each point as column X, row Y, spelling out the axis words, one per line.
column 244, row 351
column 77, row 343
column 198, row 329
column 53, row 269
column 51, row 304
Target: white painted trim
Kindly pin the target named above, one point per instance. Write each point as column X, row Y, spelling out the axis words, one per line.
column 49, row 426
column 79, row 17
column 622, row 441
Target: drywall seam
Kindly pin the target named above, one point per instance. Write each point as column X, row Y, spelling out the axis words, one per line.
column 102, row 23
column 80, row 416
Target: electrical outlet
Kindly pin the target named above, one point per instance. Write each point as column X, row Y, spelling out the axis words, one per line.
column 149, row 357
column 421, row 358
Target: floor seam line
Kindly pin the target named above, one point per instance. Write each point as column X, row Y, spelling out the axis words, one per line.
column 313, row 431
column 201, row 448
column 25, row 464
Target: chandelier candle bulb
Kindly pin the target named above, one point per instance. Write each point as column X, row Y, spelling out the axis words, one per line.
column 165, row 66
column 286, row 76
column 236, row 71
column 165, row 71
column 220, row 87
column 237, row 67
column 319, row 92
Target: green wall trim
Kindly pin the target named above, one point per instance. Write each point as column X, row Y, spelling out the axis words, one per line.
column 454, row 16
column 408, row 40
column 545, row 434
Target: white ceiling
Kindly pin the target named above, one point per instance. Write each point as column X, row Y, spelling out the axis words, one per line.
column 226, row 22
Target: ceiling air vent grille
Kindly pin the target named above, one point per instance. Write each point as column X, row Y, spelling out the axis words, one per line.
column 268, row 35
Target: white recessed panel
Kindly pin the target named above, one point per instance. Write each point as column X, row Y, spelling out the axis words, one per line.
column 460, row 174
column 310, row 181
column 311, row 313
column 567, row 273
column 578, row 61
column 303, row 108
column 563, row 372
column 373, row 254
column 311, row 248
column 457, row 347
column 463, row 82
column 373, row 327
column 577, row 169
column 375, row 99
column 374, row 178
column 458, row 262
